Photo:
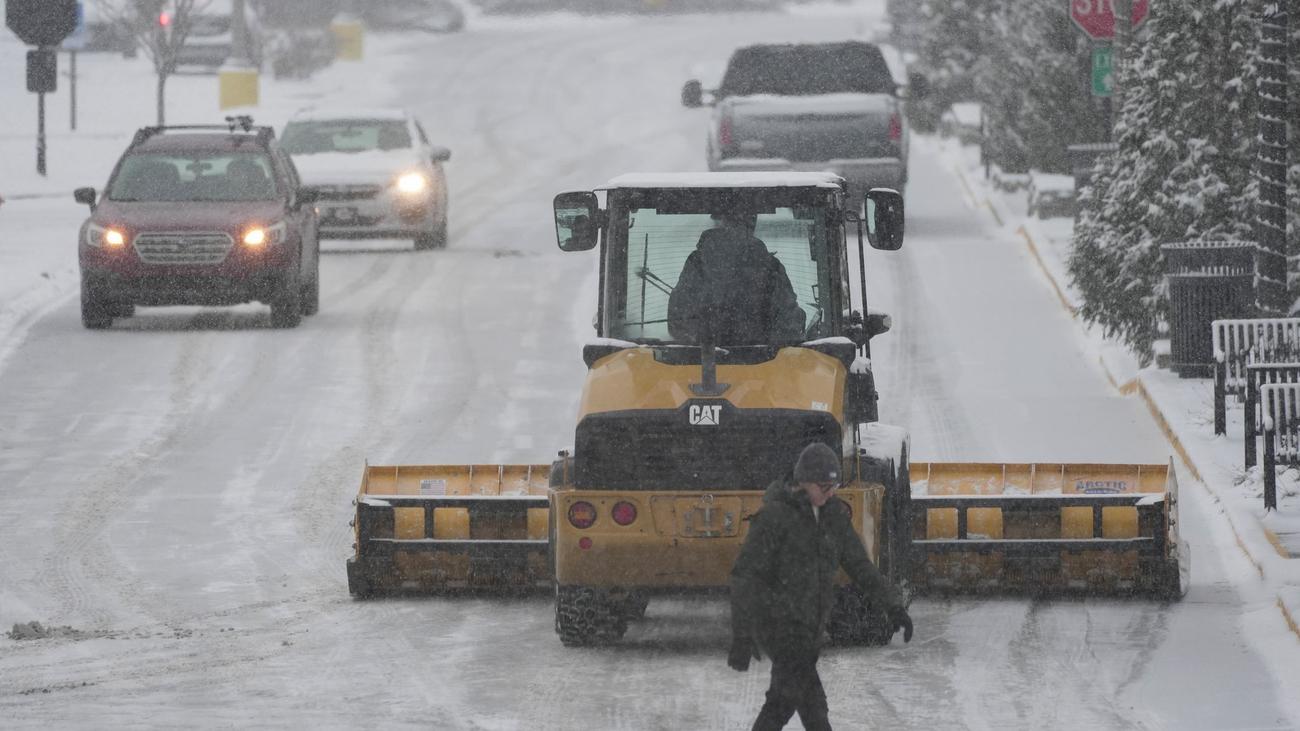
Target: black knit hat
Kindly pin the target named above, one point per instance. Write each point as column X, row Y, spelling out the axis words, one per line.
column 817, row 463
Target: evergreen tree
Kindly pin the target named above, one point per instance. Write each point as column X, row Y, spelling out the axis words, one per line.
column 1184, row 168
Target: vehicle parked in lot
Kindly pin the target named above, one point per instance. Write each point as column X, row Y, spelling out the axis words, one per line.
column 200, row 216
column 964, row 121
column 1051, row 195
column 375, row 172
column 831, row 107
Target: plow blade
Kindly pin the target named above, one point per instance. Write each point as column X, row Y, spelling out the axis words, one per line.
column 1046, row 528
column 451, row 527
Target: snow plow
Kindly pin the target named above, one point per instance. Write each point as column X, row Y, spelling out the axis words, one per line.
column 689, row 412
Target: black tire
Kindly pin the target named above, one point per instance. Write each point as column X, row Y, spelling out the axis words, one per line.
column 96, row 314
column 359, row 583
column 854, row 621
column 634, row 606
column 435, row 238
column 584, row 616
column 286, row 309
column 122, row 309
column 311, row 292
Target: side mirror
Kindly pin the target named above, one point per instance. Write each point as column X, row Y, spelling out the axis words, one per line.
column 693, row 94
column 885, row 219
column 307, row 196
column 439, row 154
column 85, row 196
column 918, row 86
column 577, row 220
column 878, row 323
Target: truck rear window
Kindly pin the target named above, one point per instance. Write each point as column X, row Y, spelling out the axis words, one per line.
column 800, row 70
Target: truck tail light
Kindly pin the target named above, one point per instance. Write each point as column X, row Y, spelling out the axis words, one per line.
column 895, row 127
column 724, row 129
column 624, row 513
column 582, row 514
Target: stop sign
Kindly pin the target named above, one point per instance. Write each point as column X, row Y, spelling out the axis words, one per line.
column 1097, row 17
column 41, row 22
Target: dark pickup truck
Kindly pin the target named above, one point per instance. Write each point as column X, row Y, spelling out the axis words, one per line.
column 831, row 107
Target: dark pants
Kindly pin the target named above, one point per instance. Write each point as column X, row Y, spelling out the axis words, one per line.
column 795, row 688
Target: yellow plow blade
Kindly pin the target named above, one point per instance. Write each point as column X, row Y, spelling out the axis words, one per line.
column 451, row 526
column 1042, row 528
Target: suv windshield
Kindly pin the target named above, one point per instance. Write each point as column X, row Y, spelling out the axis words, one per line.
column 346, row 135
column 199, row 176
column 795, row 70
column 678, row 259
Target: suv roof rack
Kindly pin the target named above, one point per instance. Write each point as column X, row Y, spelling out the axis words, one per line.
column 242, row 123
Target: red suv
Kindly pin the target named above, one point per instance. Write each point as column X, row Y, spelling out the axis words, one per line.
column 200, row 216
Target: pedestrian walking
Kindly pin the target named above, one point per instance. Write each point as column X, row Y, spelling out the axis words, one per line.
column 782, row 586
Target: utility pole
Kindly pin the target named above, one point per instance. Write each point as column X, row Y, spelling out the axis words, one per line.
column 1275, row 260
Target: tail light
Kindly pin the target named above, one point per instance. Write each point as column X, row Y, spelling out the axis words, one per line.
column 895, row 127
column 624, row 513
column 582, row 514
column 724, row 129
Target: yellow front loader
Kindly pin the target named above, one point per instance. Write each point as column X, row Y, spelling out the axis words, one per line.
column 677, row 438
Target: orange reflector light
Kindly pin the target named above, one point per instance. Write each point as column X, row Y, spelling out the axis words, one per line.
column 582, row 514
column 584, row 543
column 114, row 238
column 624, row 513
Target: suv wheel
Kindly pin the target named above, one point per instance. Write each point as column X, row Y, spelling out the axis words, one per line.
column 434, row 239
column 311, row 293
column 96, row 314
column 286, row 309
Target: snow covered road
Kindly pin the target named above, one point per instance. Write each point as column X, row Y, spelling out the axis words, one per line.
column 176, row 490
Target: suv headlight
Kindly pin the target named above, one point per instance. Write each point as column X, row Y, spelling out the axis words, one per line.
column 412, row 183
column 258, row 236
column 102, row 237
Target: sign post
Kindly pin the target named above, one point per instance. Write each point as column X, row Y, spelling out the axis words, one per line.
column 1103, row 76
column 44, row 24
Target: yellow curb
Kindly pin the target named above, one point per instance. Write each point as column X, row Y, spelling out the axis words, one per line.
column 1290, row 621
column 989, row 205
column 1277, row 543
column 1191, row 467
column 1060, row 293
column 961, row 176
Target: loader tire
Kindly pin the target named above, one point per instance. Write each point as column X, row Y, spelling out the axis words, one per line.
column 634, row 606
column 583, row 616
column 854, row 621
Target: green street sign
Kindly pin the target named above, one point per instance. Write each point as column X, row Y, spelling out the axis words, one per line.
column 1103, row 77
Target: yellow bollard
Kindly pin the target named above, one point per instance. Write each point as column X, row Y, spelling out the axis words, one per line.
column 238, row 87
column 348, row 33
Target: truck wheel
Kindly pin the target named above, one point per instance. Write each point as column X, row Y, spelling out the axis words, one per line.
column 286, row 309
column 583, row 616
column 96, row 314
column 122, row 309
column 854, row 621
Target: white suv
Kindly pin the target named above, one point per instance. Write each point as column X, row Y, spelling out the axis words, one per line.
column 376, row 173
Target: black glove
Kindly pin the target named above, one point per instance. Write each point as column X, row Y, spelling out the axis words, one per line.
column 898, row 619
column 741, row 650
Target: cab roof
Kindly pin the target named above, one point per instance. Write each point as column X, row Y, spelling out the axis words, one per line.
column 725, row 180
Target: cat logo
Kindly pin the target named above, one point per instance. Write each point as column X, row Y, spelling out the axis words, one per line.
column 705, row 414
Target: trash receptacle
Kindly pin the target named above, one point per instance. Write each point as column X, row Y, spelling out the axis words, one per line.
column 1208, row 281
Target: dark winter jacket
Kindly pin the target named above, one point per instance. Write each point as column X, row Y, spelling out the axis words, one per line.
column 782, row 585
column 734, row 285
